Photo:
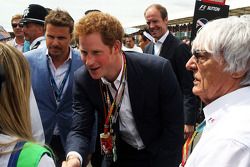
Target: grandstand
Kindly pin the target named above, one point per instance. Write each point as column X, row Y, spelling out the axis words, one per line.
column 182, row 27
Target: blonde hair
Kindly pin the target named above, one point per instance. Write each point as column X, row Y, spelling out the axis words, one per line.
column 16, row 16
column 14, row 95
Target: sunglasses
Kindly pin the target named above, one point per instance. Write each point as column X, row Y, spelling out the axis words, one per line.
column 14, row 25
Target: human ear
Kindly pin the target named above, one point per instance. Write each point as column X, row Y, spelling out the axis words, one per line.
column 117, row 46
column 239, row 74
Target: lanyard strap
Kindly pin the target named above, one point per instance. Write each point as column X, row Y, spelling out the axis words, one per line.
column 113, row 108
column 189, row 142
column 15, row 153
column 58, row 91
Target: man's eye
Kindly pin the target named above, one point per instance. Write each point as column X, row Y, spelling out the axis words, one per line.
column 84, row 53
column 61, row 38
column 96, row 52
column 50, row 37
column 201, row 55
column 202, row 58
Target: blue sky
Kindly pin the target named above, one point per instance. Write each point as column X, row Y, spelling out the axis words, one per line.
column 129, row 12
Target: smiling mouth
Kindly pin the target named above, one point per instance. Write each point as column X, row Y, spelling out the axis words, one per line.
column 154, row 31
column 93, row 69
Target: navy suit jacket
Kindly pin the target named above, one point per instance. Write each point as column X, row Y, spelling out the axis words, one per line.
column 156, row 102
column 178, row 54
column 51, row 114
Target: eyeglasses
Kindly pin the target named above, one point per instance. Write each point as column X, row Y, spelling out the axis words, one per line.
column 200, row 55
column 14, row 25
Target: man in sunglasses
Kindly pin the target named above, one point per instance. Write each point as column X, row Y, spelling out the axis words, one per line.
column 33, row 25
column 18, row 41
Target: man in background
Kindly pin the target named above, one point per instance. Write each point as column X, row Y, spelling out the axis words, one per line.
column 143, row 40
column 17, row 27
column 33, row 25
column 130, row 44
column 169, row 47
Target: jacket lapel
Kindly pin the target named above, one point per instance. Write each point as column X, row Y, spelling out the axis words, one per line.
column 166, row 46
column 44, row 76
column 135, row 86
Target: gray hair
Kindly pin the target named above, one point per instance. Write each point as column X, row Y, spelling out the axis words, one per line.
column 229, row 39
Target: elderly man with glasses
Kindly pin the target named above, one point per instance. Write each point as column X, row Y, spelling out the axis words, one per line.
column 221, row 70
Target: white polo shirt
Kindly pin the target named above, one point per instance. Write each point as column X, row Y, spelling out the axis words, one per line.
column 225, row 141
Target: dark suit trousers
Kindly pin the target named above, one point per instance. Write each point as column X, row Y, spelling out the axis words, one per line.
column 129, row 156
column 57, row 147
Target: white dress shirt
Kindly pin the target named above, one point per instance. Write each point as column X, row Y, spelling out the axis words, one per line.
column 135, row 49
column 58, row 75
column 16, row 45
column 59, row 72
column 158, row 44
column 127, row 126
column 225, row 141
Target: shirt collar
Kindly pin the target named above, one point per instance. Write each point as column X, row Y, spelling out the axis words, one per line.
column 118, row 79
column 162, row 39
column 214, row 110
column 69, row 58
column 16, row 44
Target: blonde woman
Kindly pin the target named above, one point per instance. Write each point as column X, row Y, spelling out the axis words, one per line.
column 16, row 141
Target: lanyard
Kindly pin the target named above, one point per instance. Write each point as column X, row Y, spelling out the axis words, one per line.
column 189, row 142
column 113, row 108
column 58, row 91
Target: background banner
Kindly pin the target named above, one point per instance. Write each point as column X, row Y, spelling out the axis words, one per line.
column 205, row 12
column 219, row 2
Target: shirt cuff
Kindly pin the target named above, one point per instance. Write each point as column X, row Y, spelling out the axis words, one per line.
column 76, row 154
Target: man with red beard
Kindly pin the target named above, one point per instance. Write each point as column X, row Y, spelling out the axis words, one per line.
column 169, row 47
column 52, row 70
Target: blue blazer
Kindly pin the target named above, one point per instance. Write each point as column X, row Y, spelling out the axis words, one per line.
column 156, row 102
column 51, row 114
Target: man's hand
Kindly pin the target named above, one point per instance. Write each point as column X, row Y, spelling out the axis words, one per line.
column 72, row 161
column 188, row 131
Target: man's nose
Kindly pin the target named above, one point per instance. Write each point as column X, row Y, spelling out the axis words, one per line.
column 151, row 25
column 190, row 65
column 55, row 41
column 89, row 60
